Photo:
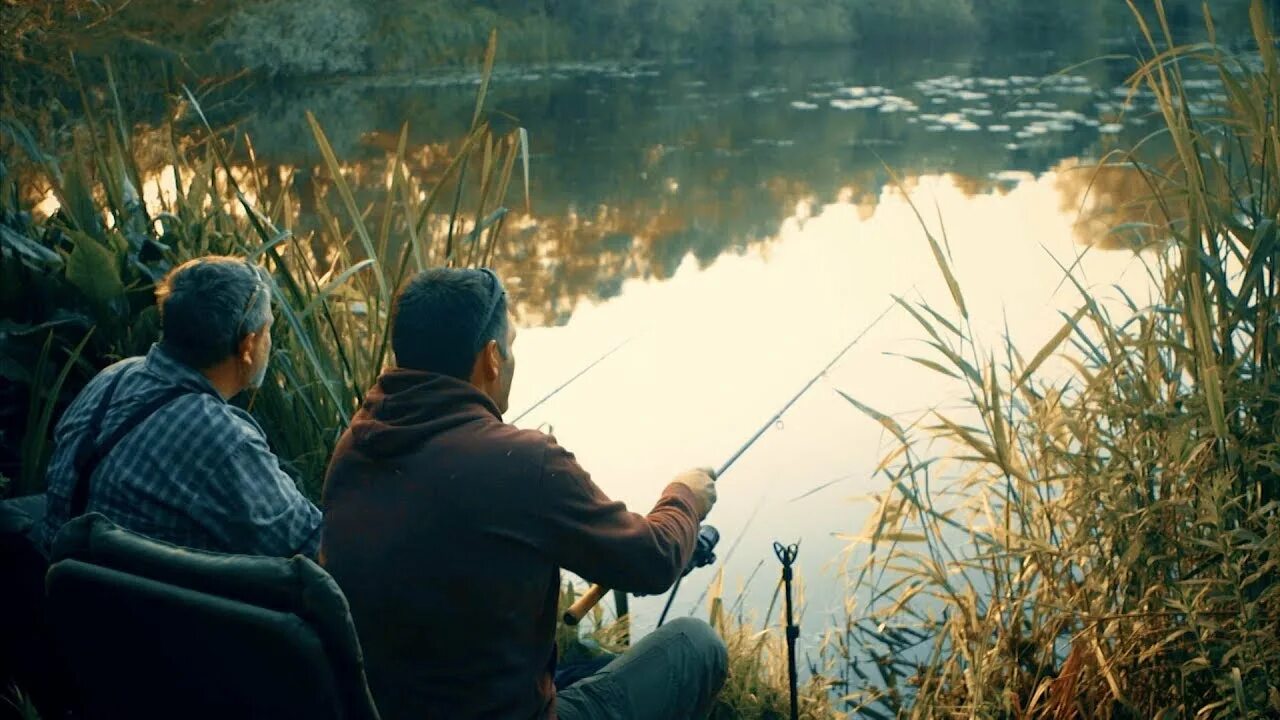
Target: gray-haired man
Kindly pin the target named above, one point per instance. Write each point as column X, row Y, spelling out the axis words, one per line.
column 152, row 443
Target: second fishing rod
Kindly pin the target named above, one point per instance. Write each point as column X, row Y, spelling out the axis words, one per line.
column 706, row 540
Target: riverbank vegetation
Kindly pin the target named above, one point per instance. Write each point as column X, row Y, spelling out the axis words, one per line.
column 78, row 287
column 1121, row 514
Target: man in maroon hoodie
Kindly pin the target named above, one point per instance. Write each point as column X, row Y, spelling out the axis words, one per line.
column 447, row 529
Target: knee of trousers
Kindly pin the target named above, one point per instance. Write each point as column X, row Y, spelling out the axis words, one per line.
column 707, row 645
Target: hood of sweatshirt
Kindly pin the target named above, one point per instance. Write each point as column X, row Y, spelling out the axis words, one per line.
column 408, row 407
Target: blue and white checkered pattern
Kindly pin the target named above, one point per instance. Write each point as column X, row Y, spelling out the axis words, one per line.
column 197, row 473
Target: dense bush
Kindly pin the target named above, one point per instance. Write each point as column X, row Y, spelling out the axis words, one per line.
column 299, row 37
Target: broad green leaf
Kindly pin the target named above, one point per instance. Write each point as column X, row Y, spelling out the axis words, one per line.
column 94, row 270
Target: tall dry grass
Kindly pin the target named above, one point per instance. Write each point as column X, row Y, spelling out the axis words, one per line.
column 757, row 686
column 1104, row 543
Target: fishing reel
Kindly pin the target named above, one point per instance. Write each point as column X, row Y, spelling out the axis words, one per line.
column 704, row 553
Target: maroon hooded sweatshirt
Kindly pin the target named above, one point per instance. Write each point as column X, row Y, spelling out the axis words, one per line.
column 447, row 529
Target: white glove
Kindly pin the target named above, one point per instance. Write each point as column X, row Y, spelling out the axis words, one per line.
column 702, row 482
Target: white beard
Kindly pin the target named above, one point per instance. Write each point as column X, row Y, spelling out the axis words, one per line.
column 259, row 377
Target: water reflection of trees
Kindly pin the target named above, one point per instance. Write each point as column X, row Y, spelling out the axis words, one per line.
column 635, row 168
column 1112, row 205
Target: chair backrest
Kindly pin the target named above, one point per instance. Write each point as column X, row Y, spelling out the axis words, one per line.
column 149, row 629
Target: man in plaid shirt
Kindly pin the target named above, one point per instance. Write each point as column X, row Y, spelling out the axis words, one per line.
column 197, row 472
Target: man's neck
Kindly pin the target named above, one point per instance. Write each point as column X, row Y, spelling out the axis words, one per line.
column 225, row 379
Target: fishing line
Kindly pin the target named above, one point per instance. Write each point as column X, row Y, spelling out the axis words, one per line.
column 569, row 382
column 593, row 595
column 765, row 428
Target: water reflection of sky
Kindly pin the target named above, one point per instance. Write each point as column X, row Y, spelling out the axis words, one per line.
column 718, row 350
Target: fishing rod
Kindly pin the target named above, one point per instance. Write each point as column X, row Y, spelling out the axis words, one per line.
column 569, row 382
column 579, row 609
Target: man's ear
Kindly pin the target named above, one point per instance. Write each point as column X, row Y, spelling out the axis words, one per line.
column 244, row 351
column 492, row 360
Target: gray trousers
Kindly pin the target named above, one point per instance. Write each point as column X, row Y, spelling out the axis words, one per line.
column 673, row 672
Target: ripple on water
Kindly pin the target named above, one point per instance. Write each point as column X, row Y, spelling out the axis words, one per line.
column 1048, row 115
column 1202, row 84
column 1070, row 84
column 860, row 103
column 943, row 85
column 1125, row 92
column 1053, row 125
column 951, row 121
column 764, row 93
column 893, row 103
column 959, row 104
column 859, row 91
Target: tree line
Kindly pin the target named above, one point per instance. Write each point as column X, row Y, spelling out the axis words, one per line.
column 295, row 38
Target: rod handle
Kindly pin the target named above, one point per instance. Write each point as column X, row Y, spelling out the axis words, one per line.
column 579, row 609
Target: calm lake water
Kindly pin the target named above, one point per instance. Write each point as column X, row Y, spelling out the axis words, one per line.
column 737, row 225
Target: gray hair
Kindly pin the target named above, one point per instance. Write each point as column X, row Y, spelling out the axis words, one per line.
column 208, row 305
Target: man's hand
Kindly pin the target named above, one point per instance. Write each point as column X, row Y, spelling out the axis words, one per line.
column 702, row 482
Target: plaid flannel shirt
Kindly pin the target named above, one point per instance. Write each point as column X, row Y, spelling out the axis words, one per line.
column 197, row 473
